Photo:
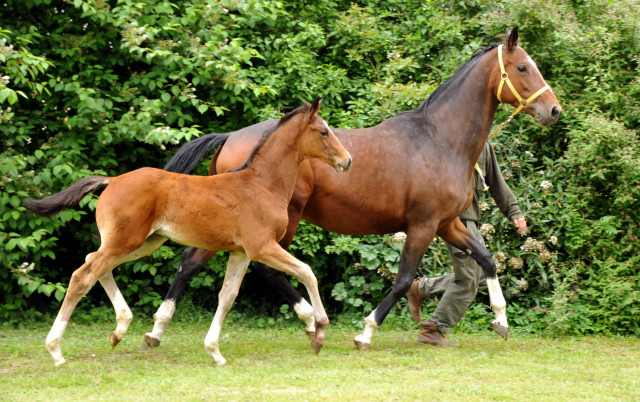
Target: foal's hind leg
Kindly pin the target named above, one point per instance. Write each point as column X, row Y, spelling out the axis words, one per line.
column 82, row 280
column 123, row 312
column 193, row 259
column 236, row 268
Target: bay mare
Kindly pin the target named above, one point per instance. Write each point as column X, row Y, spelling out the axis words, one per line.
column 243, row 211
column 411, row 173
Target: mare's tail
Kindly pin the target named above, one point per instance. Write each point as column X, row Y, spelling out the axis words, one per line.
column 187, row 157
column 66, row 198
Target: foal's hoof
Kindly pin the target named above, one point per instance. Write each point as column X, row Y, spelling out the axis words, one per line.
column 114, row 340
column 59, row 362
column 151, row 341
column 310, row 334
column 500, row 329
column 361, row 345
column 316, row 346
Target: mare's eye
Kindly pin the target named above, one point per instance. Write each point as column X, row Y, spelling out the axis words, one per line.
column 324, row 133
column 522, row 69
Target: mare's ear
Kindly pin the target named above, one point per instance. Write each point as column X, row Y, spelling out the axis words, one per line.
column 512, row 38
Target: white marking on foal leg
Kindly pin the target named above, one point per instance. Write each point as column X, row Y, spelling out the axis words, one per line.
column 305, row 313
column 498, row 304
column 236, row 268
column 363, row 341
column 55, row 338
column 161, row 319
column 123, row 312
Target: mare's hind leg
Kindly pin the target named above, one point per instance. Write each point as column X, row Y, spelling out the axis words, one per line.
column 123, row 313
column 236, row 268
column 275, row 256
column 193, row 260
column 457, row 234
column 418, row 240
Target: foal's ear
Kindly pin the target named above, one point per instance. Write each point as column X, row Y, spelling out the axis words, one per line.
column 512, row 38
column 314, row 107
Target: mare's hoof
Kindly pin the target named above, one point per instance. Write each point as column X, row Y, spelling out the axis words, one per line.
column 151, row 341
column 501, row 330
column 114, row 340
column 361, row 345
column 316, row 346
column 310, row 334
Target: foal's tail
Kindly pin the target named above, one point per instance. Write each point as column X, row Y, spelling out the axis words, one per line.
column 187, row 157
column 66, row 198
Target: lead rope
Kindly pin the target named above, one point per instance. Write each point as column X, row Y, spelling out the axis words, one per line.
column 504, row 77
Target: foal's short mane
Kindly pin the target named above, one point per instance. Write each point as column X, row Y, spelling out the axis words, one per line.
column 267, row 134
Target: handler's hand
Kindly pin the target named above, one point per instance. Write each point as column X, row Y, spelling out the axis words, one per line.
column 521, row 225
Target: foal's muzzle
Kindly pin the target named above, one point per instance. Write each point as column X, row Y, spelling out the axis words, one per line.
column 344, row 165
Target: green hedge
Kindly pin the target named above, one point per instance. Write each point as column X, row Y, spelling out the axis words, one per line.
column 103, row 87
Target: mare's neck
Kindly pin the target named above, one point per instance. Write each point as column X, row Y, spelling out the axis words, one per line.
column 467, row 108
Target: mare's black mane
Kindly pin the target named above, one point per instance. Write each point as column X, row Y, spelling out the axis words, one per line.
column 462, row 72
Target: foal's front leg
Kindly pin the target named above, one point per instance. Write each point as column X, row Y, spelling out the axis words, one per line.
column 236, row 268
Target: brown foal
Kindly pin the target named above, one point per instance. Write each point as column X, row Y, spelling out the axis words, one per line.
column 244, row 211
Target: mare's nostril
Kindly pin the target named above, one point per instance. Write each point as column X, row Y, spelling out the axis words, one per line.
column 555, row 112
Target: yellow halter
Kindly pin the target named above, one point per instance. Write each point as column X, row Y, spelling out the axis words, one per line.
column 504, row 77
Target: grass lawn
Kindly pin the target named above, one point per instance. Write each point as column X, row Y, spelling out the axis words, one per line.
column 277, row 364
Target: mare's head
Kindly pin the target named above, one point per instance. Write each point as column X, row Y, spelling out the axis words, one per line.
column 316, row 140
column 520, row 83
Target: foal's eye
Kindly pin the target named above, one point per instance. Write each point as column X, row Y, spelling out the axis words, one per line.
column 522, row 69
column 324, row 133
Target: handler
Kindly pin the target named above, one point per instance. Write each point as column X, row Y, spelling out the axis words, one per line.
column 461, row 286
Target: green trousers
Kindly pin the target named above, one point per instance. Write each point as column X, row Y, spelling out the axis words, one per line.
column 459, row 288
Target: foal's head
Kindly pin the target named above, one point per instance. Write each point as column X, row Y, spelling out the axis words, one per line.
column 316, row 138
column 531, row 90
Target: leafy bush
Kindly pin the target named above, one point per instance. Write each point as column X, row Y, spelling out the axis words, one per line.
column 103, row 87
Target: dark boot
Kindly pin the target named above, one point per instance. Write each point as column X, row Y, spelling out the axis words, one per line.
column 415, row 299
column 431, row 335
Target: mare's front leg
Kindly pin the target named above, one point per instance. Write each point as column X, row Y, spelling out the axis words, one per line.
column 275, row 256
column 193, row 260
column 236, row 268
column 418, row 240
column 457, row 234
